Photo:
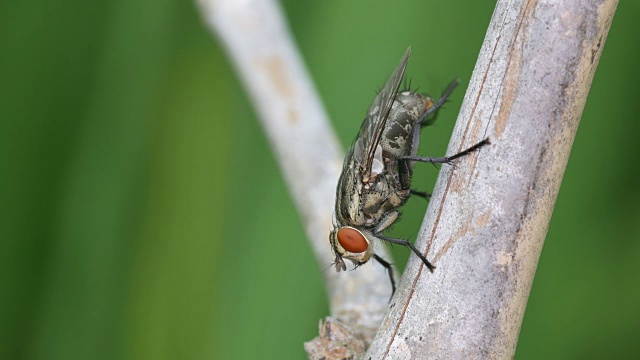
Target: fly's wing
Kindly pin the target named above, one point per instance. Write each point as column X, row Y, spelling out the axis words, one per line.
column 376, row 119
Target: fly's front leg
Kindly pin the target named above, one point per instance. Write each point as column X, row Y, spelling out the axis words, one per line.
column 447, row 159
column 410, row 245
column 387, row 266
column 386, row 221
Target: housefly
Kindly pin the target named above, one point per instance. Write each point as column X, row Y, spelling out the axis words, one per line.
column 376, row 174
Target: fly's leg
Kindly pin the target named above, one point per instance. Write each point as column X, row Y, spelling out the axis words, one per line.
column 439, row 103
column 434, row 109
column 387, row 266
column 387, row 221
column 410, row 245
column 423, row 194
column 447, row 159
column 415, row 137
column 405, row 170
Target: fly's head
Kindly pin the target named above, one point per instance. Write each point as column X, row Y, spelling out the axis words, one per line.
column 350, row 243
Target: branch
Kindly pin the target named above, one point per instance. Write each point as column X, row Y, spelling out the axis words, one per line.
column 263, row 52
column 488, row 217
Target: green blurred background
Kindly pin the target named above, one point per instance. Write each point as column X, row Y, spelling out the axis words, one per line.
column 143, row 215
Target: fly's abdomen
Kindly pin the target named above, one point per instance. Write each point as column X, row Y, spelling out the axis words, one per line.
column 400, row 133
column 405, row 113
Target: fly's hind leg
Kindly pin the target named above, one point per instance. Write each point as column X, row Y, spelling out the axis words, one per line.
column 439, row 103
column 415, row 137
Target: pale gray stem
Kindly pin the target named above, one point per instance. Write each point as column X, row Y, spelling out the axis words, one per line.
column 488, row 216
column 261, row 48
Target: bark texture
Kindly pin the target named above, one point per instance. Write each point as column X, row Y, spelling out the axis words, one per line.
column 488, row 217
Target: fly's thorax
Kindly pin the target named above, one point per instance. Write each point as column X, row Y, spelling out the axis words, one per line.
column 351, row 243
column 383, row 196
column 363, row 205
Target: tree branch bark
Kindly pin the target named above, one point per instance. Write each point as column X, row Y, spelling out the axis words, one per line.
column 489, row 214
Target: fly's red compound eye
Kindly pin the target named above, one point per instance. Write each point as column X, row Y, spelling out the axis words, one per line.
column 352, row 240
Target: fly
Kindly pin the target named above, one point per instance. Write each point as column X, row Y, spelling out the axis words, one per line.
column 376, row 174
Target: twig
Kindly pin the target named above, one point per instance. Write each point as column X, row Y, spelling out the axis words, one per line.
column 489, row 215
column 262, row 50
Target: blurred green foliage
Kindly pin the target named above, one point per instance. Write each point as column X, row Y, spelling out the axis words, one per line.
column 144, row 217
